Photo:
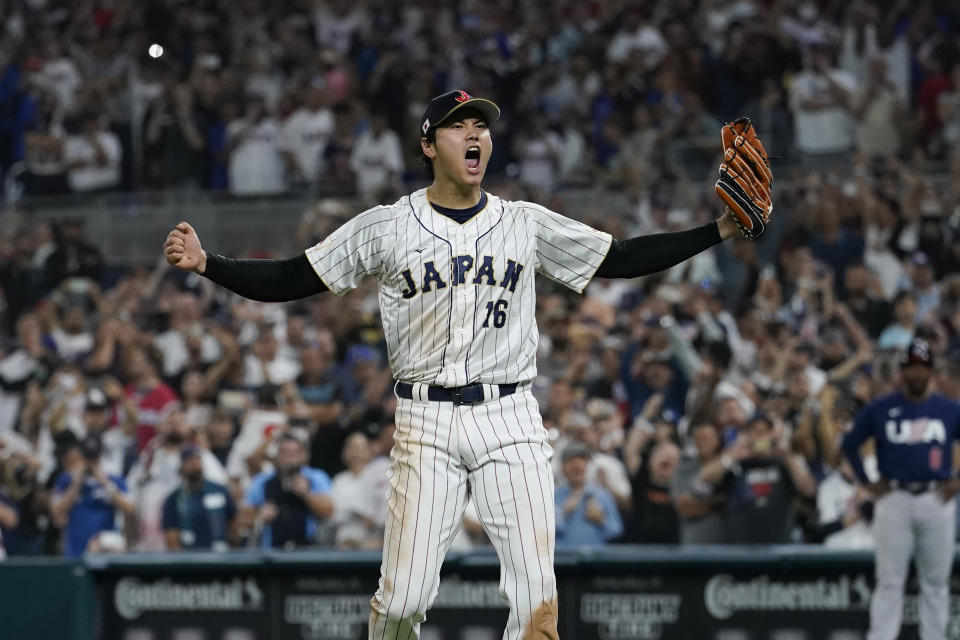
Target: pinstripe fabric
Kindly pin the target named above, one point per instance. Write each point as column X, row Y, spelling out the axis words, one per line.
column 500, row 448
column 458, row 306
column 447, row 335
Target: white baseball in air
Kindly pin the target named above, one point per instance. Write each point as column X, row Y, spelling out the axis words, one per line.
column 155, row 51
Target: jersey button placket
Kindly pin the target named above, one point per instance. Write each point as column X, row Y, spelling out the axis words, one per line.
column 461, row 310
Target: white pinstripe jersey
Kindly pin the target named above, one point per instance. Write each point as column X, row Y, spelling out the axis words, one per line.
column 457, row 301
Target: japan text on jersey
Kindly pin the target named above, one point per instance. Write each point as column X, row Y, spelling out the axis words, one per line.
column 457, row 300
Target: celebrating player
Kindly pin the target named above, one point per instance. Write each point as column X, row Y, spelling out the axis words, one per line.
column 456, row 267
column 914, row 431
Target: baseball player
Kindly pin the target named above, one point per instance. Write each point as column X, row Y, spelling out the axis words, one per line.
column 455, row 267
column 914, row 431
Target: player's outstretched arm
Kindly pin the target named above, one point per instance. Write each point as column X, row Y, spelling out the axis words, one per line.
column 644, row 255
column 264, row 280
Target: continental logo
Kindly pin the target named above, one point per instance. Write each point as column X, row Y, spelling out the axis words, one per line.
column 724, row 596
column 133, row 597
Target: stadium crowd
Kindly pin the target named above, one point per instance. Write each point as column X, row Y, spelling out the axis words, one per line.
column 144, row 409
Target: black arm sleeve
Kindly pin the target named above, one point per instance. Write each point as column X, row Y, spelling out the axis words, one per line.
column 266, row 280
column 644, row 255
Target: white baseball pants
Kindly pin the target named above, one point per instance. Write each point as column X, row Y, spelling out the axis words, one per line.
column 919, row 526
column 498, row 451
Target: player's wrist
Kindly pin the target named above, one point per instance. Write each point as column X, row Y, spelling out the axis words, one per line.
column 726, row 226
column 202, row 265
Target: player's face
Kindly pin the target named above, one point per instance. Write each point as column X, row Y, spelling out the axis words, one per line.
column 462, row 150
column 916, row 377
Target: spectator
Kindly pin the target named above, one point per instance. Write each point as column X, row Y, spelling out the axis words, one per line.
column 880, row 115
column 45, row 165
column 586, row 514
column 27, row 360
column 153, row 397
column 290, row 503
column 354, row 495
column 898, row 334
column 68, row 320
column 823, row 126
column 833, row 244
column 604, row 469
column 924, row 287
column 199, row 514
column 653, row 518
column 865, row 299
column 156, row 473
column 264, row 365
column 220, row 434
column 760, row 478
column 637, row 36
column 305, row 135
column 58, row 74
column 539, row 154
column 845, row 510
column 365, row 384
column 320, row 387
column 699, row 509
column 337, row 23
column 646, row 372
column 74, row 256
column 196, row 405
column 86, row 502
column 174, row 136
column 93, row 156
column 651, row 427
column 253, row 144
column 377, row 160
column 103, row 405
column 186, row 343
column 24, row 516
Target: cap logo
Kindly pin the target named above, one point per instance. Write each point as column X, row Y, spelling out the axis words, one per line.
column 426, row 125
column 463, row 97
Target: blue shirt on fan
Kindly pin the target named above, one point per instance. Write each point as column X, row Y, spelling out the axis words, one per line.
column 91, row 513
column 575, row 530
column 914, row 439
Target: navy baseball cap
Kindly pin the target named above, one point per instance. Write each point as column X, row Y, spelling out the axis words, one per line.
column 917, row 353
column 443, row 106
column 190, row 451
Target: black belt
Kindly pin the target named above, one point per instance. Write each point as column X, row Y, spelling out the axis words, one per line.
column 916, row 488
column 470, row 394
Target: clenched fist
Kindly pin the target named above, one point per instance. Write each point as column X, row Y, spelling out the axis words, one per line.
column 182, row 249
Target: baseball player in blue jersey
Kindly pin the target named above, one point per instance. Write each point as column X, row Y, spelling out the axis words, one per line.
column 914, row 431
column 455, row 267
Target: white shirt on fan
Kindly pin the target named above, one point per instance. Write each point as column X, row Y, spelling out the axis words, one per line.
column 93, row 176
column 255, row 165
column 306, row 135
column 828, row 130
column 375, row 159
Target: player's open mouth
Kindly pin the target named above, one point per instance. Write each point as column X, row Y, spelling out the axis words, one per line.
column 473, row 159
